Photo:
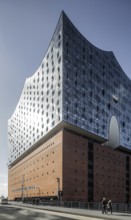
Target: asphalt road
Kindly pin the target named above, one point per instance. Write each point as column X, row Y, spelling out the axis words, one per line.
column 18, row 213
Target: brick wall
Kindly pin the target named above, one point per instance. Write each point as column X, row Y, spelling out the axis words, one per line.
column 40, row 168
column 66, row 155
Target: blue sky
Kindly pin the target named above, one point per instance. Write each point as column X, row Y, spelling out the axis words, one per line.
column 26, row 28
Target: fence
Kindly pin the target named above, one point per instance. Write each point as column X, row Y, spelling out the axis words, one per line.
column 117, row 207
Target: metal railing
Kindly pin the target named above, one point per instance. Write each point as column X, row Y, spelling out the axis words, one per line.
column 117, row 207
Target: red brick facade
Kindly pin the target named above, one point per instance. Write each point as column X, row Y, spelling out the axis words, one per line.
column 109, row 174
column 86, row 173
column 40, row 168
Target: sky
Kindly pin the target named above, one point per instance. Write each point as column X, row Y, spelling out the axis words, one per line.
column 26, row 29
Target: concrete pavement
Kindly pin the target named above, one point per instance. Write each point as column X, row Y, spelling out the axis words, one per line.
column 74, row 211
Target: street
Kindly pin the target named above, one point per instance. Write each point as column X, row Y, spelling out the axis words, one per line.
column 18, row 213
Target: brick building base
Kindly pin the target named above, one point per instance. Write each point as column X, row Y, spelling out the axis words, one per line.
column 87, row 171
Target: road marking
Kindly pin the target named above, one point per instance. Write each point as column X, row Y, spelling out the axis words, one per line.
column 24, row 212
column 50, row 215
column 7, row 216
column 67, row 215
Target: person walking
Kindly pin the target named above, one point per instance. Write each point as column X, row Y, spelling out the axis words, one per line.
column 104, row 204
column 109, row 206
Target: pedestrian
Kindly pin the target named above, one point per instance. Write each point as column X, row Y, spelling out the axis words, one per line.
column 104, row 203
column 109, row 206
column 34, row 201
column 37, row 201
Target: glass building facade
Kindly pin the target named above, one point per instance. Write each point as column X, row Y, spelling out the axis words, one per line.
column 76, row 83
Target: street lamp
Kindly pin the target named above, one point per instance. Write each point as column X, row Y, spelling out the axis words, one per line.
column 22, row 187
column 58, row 181
column 38, row 189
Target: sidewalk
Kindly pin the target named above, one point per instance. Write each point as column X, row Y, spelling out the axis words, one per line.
column 82, row 212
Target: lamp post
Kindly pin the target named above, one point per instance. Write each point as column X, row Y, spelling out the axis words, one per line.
column 22, row 187
column 58, row 182
column 38, row 189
